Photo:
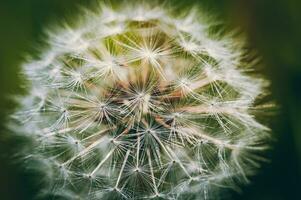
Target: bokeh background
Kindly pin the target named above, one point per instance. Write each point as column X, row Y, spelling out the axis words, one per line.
column 273, row 28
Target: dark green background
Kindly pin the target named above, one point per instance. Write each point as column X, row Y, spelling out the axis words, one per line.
column 273, row 28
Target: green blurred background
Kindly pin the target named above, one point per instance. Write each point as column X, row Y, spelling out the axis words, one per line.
column 273, row 28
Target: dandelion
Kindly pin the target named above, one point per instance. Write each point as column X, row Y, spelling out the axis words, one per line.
column 140, row 102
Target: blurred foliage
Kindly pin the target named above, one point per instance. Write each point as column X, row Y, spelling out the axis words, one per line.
column 273, row 28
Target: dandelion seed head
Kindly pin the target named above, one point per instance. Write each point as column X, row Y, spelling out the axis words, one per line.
column 139, row 101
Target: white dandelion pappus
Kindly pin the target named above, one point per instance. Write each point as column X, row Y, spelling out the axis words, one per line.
column 138, row 102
